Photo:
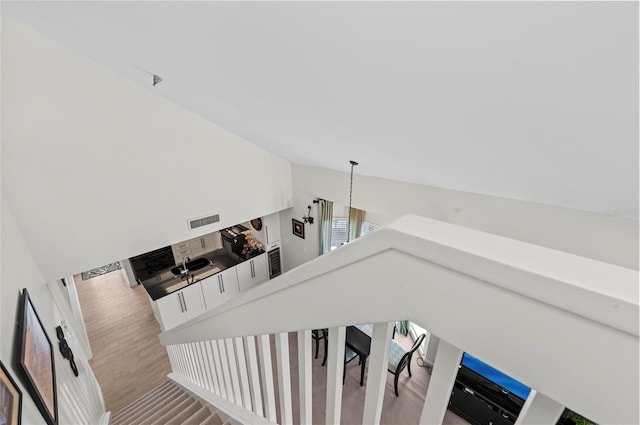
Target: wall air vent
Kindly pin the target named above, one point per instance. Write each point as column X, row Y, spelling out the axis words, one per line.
column 199, row 222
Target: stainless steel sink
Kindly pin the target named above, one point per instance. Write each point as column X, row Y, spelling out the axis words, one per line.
column 191, row 266
column 197, row 264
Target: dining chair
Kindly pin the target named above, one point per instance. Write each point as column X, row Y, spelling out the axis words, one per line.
column 399, row 358
column 348, row 356
column 319, row 335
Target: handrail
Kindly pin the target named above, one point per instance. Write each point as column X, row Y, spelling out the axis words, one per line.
column 544, row 317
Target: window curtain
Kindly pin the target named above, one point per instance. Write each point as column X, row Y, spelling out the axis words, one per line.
column 402, row 326
column 324, row 220
column 356, row 219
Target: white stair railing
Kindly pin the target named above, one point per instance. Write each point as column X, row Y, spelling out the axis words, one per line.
column 544, row 317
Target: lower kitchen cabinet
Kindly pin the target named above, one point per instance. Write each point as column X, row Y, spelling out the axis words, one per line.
column 178, row 307
column 252, row 272
column 220, row 287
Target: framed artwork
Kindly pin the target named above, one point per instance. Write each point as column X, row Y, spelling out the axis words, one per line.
column 298, row 228
column 35, row 361
column 10, row 399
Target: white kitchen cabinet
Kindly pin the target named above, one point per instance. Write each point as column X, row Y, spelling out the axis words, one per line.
column 252, row 272
column 220, row 287
column 178, row 307
column 193, row 300
column 271, row 224
column 204, row 244
column 181, row 251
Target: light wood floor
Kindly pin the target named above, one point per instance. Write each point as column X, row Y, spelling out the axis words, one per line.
column 128, row 359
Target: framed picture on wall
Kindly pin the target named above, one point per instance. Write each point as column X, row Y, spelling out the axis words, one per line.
column 10, row 399
column 298, row 228
column 35, row 361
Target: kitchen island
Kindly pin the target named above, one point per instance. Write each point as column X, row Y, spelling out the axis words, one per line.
column 178, row 298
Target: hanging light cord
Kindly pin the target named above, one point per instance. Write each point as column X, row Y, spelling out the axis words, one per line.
column 353, row 163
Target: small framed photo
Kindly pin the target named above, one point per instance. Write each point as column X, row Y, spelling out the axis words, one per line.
column 10, row 399
column 298, row 228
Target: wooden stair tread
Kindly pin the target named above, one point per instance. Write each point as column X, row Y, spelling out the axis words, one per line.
column 166, row 404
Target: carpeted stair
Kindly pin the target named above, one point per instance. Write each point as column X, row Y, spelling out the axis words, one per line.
column 166, row 404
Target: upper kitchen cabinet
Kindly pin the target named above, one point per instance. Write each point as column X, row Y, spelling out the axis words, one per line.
column 272, row 228
column 204, row 244
column 196, row 247
column 181, row 251
column 267, row 230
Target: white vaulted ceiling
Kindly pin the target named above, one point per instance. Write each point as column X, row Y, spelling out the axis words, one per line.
column 535, row 101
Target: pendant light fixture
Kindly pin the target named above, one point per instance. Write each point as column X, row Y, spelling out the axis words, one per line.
column 353, row 164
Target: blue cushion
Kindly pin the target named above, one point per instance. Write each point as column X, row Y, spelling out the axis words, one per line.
column 395, row 355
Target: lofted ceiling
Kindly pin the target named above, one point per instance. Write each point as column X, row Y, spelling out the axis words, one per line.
column 535, row 101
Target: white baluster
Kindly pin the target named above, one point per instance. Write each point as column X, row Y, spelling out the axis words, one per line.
column 199, row 364
column 254, row 375
column 212, row 365
column 242, row 370
column 377, row 372
column 224, row 360
column 443, row 377
column 206, row 366
column 284, row 377
column 304, row 376
column 335, row 368
column 178, row 351
column 233, row 370
column 264, row 349
column 539, row 409
column 172, row 359
column 187, row 361
column 194, row 363
column 219, row 372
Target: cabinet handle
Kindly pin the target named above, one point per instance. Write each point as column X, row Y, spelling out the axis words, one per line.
column 183, row 305
column 222, row 280
column 266, row 231
column 202, row 243
column 504, row 415
column 253, row 270
column 220, row 283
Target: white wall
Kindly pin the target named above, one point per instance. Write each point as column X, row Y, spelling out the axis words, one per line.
column 97, row 168
column 79, row 398
column 598, row 236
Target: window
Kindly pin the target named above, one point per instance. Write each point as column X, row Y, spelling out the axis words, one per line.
column 368, row 228
column 339, row 231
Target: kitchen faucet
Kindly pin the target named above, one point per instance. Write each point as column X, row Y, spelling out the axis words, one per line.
column 184, row 264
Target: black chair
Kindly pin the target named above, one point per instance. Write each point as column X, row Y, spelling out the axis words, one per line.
column 399, row 358
column 319, row 335
column 348, row 356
